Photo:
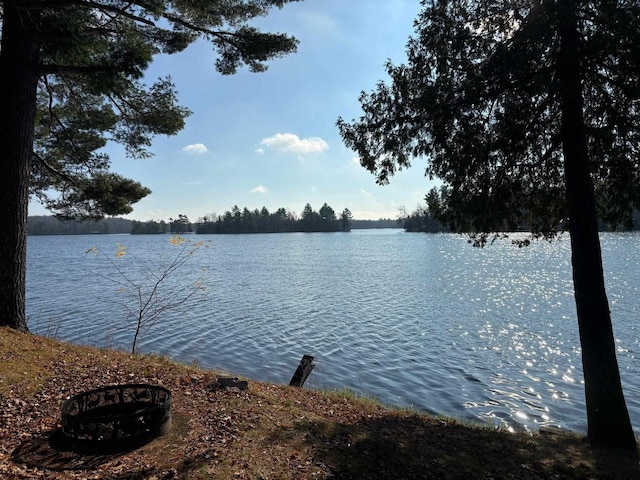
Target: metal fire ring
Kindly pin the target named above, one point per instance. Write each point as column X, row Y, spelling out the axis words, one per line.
column 117, row 412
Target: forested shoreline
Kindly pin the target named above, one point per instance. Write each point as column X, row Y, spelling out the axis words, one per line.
column 234, row 221
column 244, row 221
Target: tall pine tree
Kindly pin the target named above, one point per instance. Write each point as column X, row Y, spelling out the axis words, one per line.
column 72, row 80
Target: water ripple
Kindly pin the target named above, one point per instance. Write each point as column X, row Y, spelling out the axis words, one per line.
column 420, row 320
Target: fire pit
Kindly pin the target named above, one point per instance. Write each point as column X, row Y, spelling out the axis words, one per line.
column 132, row 413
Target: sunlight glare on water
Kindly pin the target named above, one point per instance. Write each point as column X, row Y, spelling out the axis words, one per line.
column 413, row 319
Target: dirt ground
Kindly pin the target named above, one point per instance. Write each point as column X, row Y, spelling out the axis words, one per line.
column 265, row 432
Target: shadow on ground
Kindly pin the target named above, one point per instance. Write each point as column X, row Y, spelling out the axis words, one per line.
column 418, row 447
column 56, row 452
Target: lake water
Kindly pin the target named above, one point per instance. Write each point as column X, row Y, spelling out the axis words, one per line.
column 413, row 319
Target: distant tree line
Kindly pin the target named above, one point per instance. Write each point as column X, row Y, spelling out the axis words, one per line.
column 423, row 219
column 380, row 223
column 234, row 221
column 50, row 225
column 150, row 227
column 437, row 213
column 177, row 225
column 280, row 221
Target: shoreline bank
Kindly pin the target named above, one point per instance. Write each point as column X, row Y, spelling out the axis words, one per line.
column 268, row 431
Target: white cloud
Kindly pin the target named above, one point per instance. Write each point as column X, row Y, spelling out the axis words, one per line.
column 289, row 142
column 355, row 161
column 260, row 150
column 365, row 193
column 195, row 149
column 259, row 189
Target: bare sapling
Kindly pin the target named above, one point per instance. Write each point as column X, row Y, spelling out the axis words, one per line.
column 147, row 293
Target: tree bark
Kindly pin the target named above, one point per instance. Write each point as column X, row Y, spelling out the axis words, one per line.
column 608, row 419
column 19, row 62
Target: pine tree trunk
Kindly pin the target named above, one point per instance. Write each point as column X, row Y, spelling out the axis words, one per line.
column 19, row 73
column 608, row 419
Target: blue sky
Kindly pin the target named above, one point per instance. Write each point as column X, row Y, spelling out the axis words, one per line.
column 269, row 139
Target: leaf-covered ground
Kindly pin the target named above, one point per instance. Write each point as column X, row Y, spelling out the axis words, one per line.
column 266, row 432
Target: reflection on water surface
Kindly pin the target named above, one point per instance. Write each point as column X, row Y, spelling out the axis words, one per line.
column 420, row 320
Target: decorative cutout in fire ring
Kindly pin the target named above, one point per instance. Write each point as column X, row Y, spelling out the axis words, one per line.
column 120, row 412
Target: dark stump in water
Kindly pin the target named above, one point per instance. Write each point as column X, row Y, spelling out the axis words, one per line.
column 118, row 414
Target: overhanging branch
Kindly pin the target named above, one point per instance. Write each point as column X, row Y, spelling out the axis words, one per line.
column 54, row 171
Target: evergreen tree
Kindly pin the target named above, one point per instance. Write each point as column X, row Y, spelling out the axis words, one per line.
column 345, row 220
column 180, row 224
column 327, row 219
column 71, row 80
column 529, row 113
column 310, row 219
column 264, row 223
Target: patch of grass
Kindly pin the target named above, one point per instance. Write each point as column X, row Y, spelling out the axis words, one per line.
column 353, row 395
column 268, row 432
column 24, row 361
